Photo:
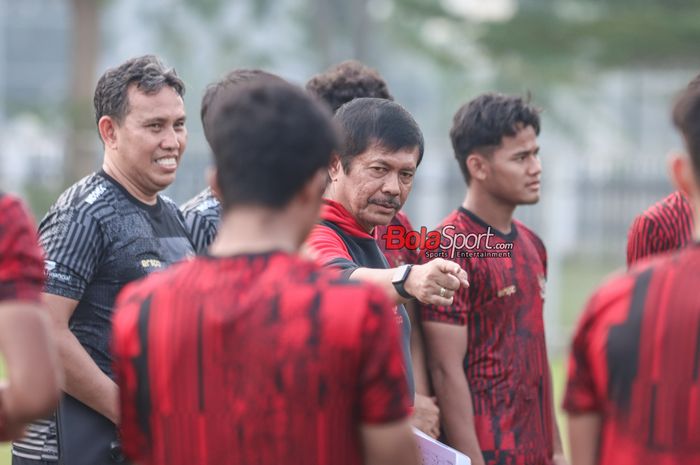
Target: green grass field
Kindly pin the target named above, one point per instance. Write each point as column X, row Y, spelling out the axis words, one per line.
column 579, row 279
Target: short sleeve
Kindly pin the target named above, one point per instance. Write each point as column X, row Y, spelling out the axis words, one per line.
column 382, row 380
column 581, row 395
column 21, row 267
column 73, row 241
column 645, row 238
column 327, row 249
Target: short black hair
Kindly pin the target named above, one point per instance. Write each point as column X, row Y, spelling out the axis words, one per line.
column 148, row 73
column 481, row 124
column 347, row 81
column 233, row 78
column 373, row 121
column 686, row 117
column 269, row 139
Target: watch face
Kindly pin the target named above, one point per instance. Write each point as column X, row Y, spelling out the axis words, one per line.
column 400, row 274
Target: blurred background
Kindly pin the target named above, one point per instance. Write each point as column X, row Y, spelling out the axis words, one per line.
column 605, row 73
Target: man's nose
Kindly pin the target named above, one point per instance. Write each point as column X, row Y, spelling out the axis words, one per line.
column 535, row 166
column 170, row 140
column 391, row 184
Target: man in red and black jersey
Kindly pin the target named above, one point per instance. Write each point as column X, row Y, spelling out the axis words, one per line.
column 486, row 350
column 251, row 355
column 336, row 86
column 633, row 391
column 33, row 375
column 665, row 226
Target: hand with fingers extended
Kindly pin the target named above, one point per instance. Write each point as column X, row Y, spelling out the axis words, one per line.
column 436, row 282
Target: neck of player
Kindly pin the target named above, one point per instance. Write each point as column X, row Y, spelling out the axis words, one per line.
column 149, row 198
column 495, row 212
column 245, row 230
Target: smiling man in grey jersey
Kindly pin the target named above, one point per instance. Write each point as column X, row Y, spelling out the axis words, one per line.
column 108, row 229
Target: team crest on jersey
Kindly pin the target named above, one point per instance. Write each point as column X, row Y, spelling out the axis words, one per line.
column 506, row 291
column 95, row 194
column 543, row 282
column 149, row 264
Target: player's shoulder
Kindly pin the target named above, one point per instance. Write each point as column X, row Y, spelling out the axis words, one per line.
column 456, row 218
column 620, row 285
column 322, row 233
column 527, row 233
column 203, row 204
column 669, row 206
column 329, row 282
column 8, row 201
column 13, row 209
column 92, row 196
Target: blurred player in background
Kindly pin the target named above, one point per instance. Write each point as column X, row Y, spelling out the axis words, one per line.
column 633, row 392
column 665, row 226
column 203, row 211
column 33, row 375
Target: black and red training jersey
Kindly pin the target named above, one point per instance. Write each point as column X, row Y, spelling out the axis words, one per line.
column 340, row 242
column 254, row 359
column 21, row 261
column 635, row 361
column 665, row 226
column 506, row 362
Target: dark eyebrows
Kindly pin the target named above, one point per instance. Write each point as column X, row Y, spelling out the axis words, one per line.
column 161, row 120
column 527, row 152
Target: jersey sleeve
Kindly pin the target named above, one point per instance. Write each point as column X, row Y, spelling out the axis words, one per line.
column 383, row 389
column 74, row 243
column 126, row 349
column 202, row 223
column 21, row 266
column 581, row 395
column 645, row 238
column 327, row 249
column 201, row 228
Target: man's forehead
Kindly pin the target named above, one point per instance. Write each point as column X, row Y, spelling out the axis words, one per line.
column 378, row 152
column 164, row 101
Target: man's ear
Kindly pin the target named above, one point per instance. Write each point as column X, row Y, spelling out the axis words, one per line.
column 334, row 168
column 213, row 182
column 313, row 190
column 107, row 127
column 682, row 174
column 477, row 165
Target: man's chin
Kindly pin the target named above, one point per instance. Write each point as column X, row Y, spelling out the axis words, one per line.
column 163, row 182
column 530, row 200
column 382, row 219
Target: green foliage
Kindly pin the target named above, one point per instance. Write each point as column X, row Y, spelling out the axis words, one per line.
column 548, row 42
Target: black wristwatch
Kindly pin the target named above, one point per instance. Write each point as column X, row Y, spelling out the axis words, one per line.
column 399, row 280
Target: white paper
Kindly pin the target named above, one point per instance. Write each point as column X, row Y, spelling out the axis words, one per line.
column 436, row 453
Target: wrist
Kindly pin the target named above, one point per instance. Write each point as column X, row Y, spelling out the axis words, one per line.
column 400, row 280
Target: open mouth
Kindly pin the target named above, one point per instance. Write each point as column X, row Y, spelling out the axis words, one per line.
column 167, row 162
